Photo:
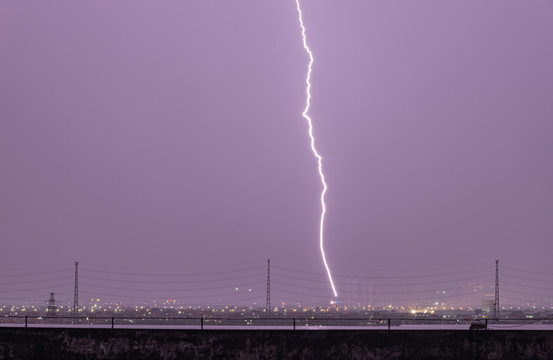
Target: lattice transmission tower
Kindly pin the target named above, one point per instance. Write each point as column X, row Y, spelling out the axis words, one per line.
column 496, row 302
column 76, row 292
column 268, row 303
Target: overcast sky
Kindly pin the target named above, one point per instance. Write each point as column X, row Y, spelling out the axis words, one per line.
column 168, row 135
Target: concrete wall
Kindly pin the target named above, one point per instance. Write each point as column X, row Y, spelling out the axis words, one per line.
column 35, row 343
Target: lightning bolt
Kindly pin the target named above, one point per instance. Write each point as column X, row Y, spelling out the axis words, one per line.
column 313, row 148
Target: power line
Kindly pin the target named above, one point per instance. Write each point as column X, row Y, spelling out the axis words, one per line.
column 38, row 288
column 526, row 278
column 259, row 283
column 174, row 282
column 521, row 299
column 387, row 292
column 422, row 298
column 527, row 271
column 385, row 284
column 527, row 286
column 187, row 296
column 37, row 273
column 35, row 281
column 385, row 277
column 172, row 274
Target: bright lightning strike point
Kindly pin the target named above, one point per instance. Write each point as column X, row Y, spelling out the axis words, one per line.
column 313, row 148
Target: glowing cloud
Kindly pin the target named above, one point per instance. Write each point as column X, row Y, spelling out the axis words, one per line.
column 313, row 148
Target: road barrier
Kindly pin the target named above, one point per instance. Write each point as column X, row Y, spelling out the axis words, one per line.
column 291, row 323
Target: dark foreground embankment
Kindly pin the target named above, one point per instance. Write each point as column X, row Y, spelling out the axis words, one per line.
column 35, row 343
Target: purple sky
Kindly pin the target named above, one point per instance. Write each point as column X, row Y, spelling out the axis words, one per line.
column 146, row 135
